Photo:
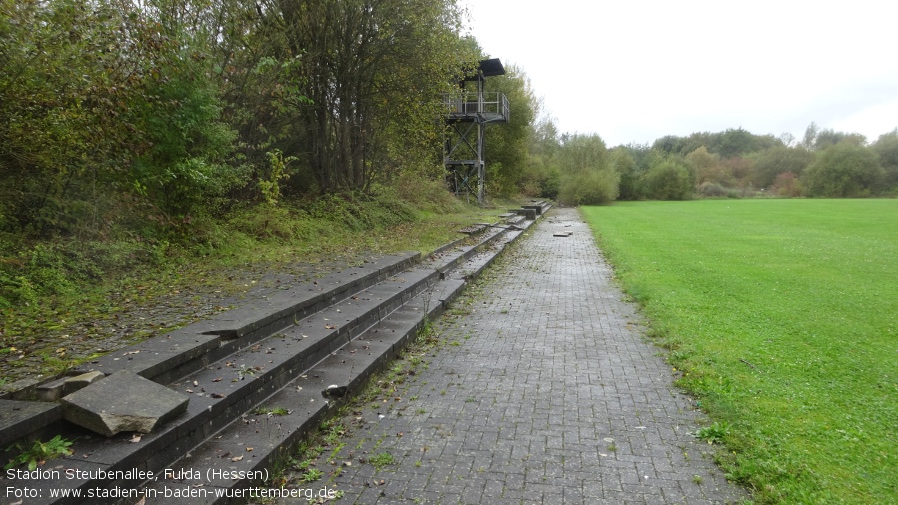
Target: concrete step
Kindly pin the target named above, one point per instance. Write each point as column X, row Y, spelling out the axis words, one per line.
column 262, row 355
column 179, row 352
column 539, row 206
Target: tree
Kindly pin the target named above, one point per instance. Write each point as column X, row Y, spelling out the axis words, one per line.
column 727, row 144
column 787, row 139
column 786, row 185
column 623, row 163
column 507, row 145
column 669, row 178
column 587, row 177
column 768, row 164
column 706, row 167
column 886, row 147
column 543, row 175
column 735, row 142
column 830, row 137
column 88, row 89
column 843, row 170
column 373, row 71
column 816, row 139
column 810, row 136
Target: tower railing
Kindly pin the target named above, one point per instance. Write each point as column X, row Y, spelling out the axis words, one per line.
column 488, row 107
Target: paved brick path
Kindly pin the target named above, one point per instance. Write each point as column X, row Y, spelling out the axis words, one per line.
column 550, row 396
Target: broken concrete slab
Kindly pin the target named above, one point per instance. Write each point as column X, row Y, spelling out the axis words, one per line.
column 124, row 401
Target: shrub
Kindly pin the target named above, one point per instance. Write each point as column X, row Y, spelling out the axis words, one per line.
column 668, row 178
column 712, row 190
column 589, row 188
column 551, row 184
column 843, row 170
column 425, row 194
column 786, row 185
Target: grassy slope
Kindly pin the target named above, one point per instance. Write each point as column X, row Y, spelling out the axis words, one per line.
column 62, row 327
column 782, row 315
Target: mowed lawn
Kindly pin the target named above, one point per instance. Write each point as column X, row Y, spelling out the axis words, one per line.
column 782, row 317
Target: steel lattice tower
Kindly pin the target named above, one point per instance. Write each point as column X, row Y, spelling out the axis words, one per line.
column 468, row 114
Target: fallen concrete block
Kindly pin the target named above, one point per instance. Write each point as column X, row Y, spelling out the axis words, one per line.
column 51, row 391
column 79, row 382
column 124, row 401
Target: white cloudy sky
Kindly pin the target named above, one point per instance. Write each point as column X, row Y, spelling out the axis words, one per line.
column 636, row 70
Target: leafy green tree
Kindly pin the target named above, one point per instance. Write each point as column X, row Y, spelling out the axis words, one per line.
column 768, row 164
column 373, row 71
column 623, row 163
column 507, row 144
column 829, row 137
column 886, row 147
column 735, row 142
column 542, row 177
column 843, row 170
column 809, row 139
column 816, row 139
column 182, row 118
column 587, row 176
column 632, row 184
column 106, row 107
column 668, row 178
column 706, row 167
column 68, row 76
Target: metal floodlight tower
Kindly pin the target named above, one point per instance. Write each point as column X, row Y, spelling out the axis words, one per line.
column 468, row 114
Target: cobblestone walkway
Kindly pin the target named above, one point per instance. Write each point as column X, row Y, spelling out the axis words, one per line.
column 547, row 393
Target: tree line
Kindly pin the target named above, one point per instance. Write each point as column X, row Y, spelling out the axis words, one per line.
column 580, row 169
column 136, row 113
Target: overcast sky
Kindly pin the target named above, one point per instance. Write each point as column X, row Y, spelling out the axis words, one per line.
column 636, row 70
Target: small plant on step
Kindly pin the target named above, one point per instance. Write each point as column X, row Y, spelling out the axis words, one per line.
column 270, row 411
column 40, row 452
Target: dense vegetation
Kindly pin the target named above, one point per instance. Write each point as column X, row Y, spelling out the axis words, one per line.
column 167, row 109
column 130, row 129
column 579, row 169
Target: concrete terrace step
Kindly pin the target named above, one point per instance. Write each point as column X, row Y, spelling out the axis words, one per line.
column 181, row 351
column 540, row 206
column 177, row 353
column 281, row 351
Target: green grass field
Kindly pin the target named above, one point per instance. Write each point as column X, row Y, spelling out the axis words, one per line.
column 782, row 317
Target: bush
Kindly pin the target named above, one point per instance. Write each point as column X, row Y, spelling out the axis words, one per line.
column 31, row 273
column 589, row 188
column 712, row 190
column 786, row 185
column 843, row 170
column 550, row 183
column 668, row 178
column 425, row 194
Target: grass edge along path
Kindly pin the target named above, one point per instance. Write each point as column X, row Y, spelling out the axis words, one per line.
column 781, row 316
